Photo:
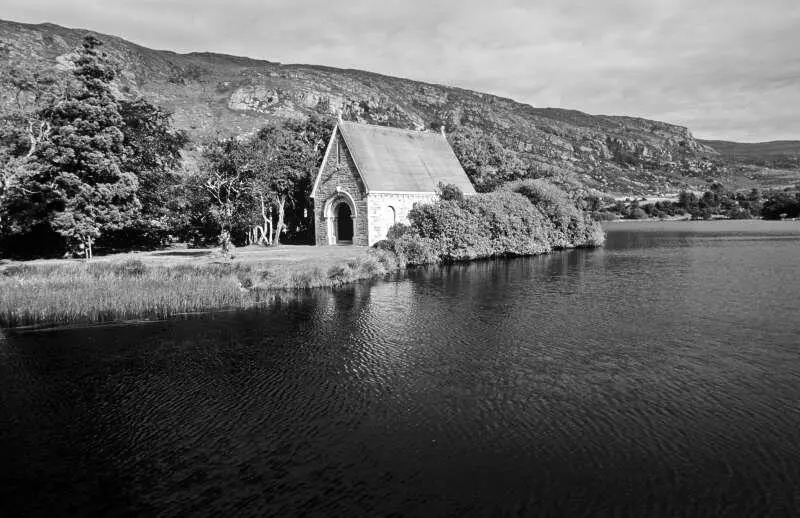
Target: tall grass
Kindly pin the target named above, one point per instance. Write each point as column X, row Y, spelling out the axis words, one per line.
column 102, row 291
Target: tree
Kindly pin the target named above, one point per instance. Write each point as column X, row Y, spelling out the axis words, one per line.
column 255, row 188
column 781, row 205
column 79, row 161
column 689, row 202
column 487, row 163
column 287, row 172
column 258, row 157
column 315, row 133
column 23, row 127
column 153, row 154
column 224, row 181
column 78, row 183
column 592, row 203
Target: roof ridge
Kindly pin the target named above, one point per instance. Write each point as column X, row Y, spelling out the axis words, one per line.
column 415, row 132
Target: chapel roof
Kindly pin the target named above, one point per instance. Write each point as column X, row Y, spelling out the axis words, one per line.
column 399, row 160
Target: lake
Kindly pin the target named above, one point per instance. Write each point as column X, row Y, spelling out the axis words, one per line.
column 657, row 376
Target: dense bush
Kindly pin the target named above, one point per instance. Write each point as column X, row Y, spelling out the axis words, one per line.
column 782, row 205
column 536, row 220
column 450, row 192
column 412, row 249
column 397, row 230
column 603, row 215
column 574, row 227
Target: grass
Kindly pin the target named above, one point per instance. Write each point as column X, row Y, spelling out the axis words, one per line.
column 155, row 286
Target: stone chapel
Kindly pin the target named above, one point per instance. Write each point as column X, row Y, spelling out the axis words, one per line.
column 372, row 176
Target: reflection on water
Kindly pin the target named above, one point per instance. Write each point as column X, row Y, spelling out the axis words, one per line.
column 657, row 376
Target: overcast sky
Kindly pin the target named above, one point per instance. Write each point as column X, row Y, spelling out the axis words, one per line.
column 727, row 69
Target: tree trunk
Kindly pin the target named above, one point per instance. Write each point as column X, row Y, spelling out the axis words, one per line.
column 258, row 236
column 226, row 226
column 266, row 238
column 281, row 204
column 87, row 247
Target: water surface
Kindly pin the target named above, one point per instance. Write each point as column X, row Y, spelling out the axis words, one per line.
column 658, row 376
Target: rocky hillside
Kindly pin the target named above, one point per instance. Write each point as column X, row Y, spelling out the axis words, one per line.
column 212, row 95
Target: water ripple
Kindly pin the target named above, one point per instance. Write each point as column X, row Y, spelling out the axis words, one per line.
column 656, row 377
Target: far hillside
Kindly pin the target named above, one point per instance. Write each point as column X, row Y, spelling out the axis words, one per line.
column 498, row 140
column 777, row 154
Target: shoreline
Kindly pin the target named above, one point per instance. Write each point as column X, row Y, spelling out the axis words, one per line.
column 690, row 220
column 125, row 289
column 145, row 287
column 150, row 286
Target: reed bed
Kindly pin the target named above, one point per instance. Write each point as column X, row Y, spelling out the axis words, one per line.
column 80, row 292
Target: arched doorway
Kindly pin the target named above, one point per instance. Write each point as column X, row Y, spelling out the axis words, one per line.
column 344, row 224
column 340, row 215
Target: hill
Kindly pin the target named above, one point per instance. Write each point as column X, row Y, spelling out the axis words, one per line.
column 214, row 95
column 778, row 153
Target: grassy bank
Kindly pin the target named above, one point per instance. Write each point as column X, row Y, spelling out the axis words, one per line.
column 526, row 218
column 66, row 292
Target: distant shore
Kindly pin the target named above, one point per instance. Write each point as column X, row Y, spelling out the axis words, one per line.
column 690, row 220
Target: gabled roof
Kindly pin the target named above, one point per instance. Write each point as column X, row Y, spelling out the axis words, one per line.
column 398, row 160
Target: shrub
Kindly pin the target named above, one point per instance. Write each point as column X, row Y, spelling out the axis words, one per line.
column 371, row 266
column 397, row 230
column 605, row 216
column 412, row 249
column 386, row 245
column 16, row 270
column 226, row 246
column 131, row 268
column 386, row 257
column 458, row 232
column 551, row 200
column 572, row 225
column 450, row 192
column 245, row 279
column 511, row 224
column 594, row 238
column 340, row 272
column 530, row 217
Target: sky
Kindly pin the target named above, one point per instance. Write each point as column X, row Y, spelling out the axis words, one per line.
column 727, row 69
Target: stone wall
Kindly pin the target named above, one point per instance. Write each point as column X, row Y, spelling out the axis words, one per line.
column 384, row 210
column 340, row 179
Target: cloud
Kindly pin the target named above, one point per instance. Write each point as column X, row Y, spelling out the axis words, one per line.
column 725, row 68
